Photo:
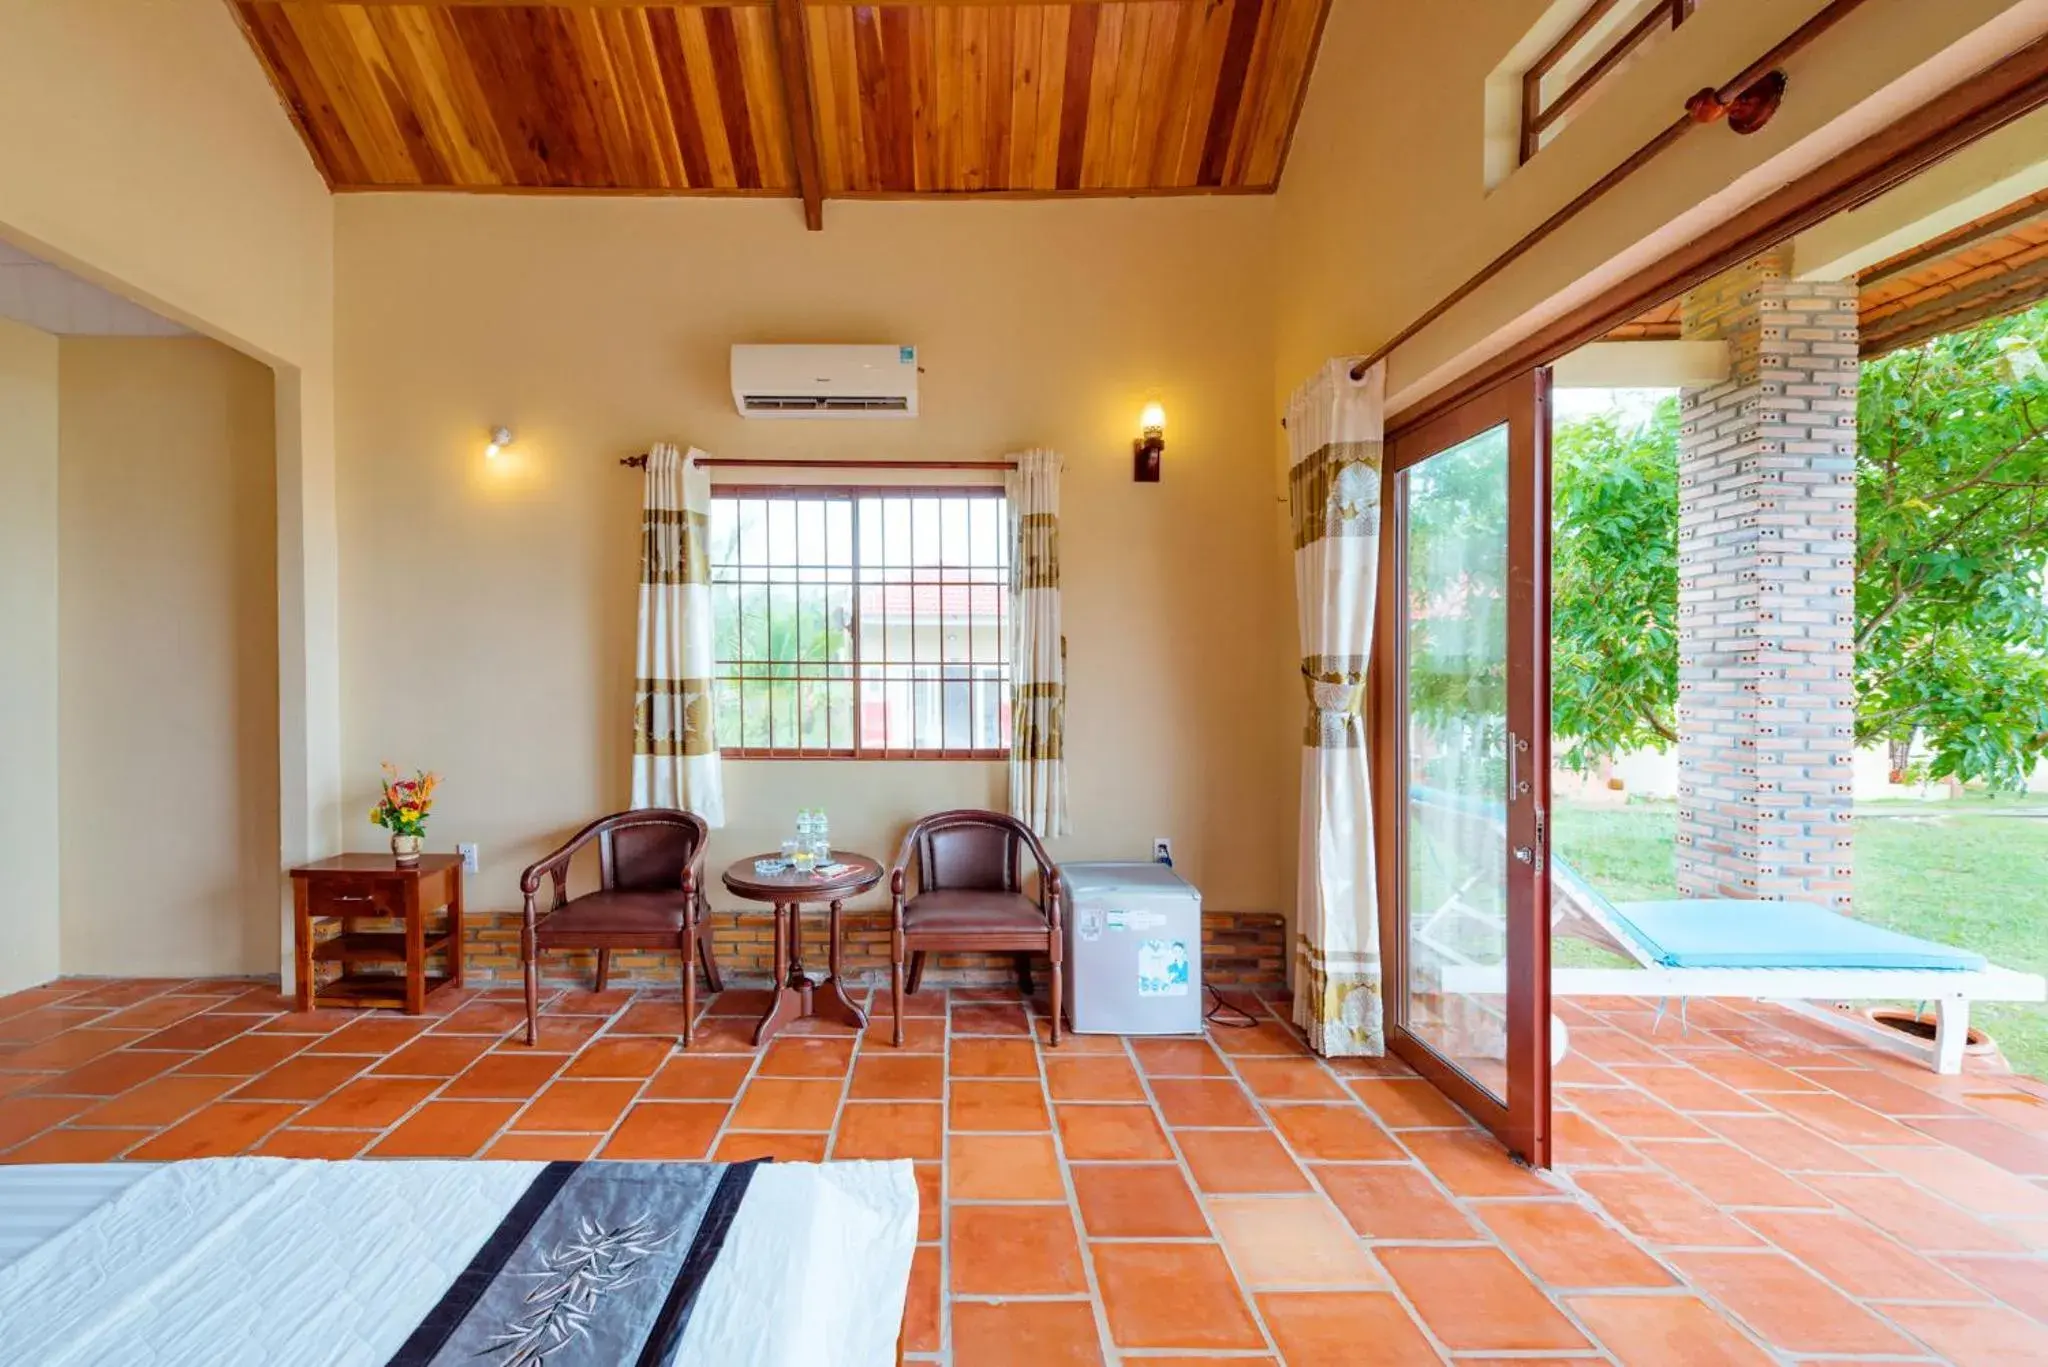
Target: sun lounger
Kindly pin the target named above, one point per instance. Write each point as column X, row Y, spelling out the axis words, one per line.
column 1729, row 947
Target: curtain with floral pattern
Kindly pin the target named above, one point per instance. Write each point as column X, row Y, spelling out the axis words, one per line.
column 1038, row 650
column 1335, row 430
column 675, row 748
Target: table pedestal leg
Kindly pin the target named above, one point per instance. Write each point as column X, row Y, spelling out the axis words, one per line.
column 789, row 1002
column 833, row 1003
column 795, row 995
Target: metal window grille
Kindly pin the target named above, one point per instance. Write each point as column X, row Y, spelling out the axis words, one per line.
column 862, row 623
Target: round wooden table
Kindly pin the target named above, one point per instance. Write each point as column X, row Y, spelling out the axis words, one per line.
column 795, row 995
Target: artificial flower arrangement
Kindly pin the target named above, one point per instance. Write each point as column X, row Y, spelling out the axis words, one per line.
column 403, row 809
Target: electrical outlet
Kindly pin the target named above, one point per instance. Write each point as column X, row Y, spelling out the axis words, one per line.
column 469, row 861
column 1162, row 850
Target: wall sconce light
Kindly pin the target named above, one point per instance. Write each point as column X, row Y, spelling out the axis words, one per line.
column 1149, row 447
column 501, row 437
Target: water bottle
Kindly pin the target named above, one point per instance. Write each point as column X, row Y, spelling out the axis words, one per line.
column 803, row 860
column 821, row 837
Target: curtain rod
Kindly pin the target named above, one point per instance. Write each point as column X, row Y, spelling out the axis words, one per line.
column 640, row 462
column 1759, row 82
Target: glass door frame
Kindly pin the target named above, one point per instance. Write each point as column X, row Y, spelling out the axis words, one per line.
column 1521, row 404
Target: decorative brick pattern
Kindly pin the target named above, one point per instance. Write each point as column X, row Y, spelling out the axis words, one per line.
column 1766, row 590
column 1245, row 949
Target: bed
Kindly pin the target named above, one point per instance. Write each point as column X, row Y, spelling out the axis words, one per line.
column 271, row 1261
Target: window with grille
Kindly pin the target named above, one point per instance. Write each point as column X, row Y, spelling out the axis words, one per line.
column 862, row 623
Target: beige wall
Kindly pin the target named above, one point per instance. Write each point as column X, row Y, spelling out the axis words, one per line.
column 143, row 143
column 487, row 610
column 168, row 719
column 28, row 660
column 1384, row 208
column 141, row 146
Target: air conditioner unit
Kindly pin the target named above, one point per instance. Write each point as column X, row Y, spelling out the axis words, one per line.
column 825, row 381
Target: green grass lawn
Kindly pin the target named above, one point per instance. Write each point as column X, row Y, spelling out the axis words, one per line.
column 1949, row 871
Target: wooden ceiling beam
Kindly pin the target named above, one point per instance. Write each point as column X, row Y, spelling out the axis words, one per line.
column 792, row 44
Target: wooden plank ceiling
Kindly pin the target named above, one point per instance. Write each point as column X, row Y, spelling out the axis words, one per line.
column 1991, row 266
column 786, row 97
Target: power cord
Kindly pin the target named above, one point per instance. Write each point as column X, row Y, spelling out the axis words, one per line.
column 1227, row 1012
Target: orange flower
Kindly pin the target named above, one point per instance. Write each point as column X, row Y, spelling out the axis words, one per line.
column 404, row 802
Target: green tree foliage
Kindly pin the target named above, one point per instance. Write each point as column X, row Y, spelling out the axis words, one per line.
column 1457, row 506
column 1614, row 585
column 1952, row 546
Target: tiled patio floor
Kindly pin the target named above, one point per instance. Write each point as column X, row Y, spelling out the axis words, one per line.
column 1755, row 1189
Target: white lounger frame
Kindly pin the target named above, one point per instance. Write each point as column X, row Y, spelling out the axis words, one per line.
column 1951, row 990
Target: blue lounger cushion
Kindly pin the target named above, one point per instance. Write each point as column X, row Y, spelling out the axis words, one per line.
column 1717, row 933
column 1732, row 932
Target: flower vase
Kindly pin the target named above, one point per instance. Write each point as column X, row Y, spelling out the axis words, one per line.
column 405, row 849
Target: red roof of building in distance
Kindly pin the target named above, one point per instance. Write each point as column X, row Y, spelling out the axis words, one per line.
column 925, row 602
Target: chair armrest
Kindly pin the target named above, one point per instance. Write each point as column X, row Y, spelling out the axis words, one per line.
column 694, row 894
column 1048, row 873
column 899, row 872
column 557, row 864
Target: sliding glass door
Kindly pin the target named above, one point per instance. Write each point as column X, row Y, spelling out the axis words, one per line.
column 1462, row 756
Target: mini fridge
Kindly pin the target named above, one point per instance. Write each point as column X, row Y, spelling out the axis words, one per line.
column 1134, row 950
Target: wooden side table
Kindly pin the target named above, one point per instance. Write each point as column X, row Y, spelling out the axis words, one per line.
column 353, row 888
column 794, row 996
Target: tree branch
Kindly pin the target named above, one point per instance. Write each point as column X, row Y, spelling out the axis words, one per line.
column 1650, row 719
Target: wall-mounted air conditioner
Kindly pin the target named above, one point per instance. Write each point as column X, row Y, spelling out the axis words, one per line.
column 825, row 381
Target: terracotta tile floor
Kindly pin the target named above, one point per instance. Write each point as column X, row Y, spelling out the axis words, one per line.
column 1754, row 1189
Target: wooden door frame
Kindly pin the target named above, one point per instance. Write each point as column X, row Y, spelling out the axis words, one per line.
column 1522, row 405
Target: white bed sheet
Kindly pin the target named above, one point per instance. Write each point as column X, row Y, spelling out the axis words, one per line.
column 233, row 1261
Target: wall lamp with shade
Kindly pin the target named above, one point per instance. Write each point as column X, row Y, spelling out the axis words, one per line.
column 1150, row 445
column 501, row 437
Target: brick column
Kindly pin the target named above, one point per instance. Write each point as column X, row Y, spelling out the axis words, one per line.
column 1766, row 590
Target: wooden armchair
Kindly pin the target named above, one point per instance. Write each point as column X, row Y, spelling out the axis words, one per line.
column 970, row 896
column 650, row 895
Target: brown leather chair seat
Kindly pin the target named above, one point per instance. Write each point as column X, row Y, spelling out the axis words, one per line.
column 614, row 913
column 960, row 911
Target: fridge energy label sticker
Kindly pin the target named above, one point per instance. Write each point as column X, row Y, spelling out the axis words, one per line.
column 1136, row 920
column 1163, row 968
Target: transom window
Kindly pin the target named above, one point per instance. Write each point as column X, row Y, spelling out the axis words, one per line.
column 862, row 623
column 1604, row 39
